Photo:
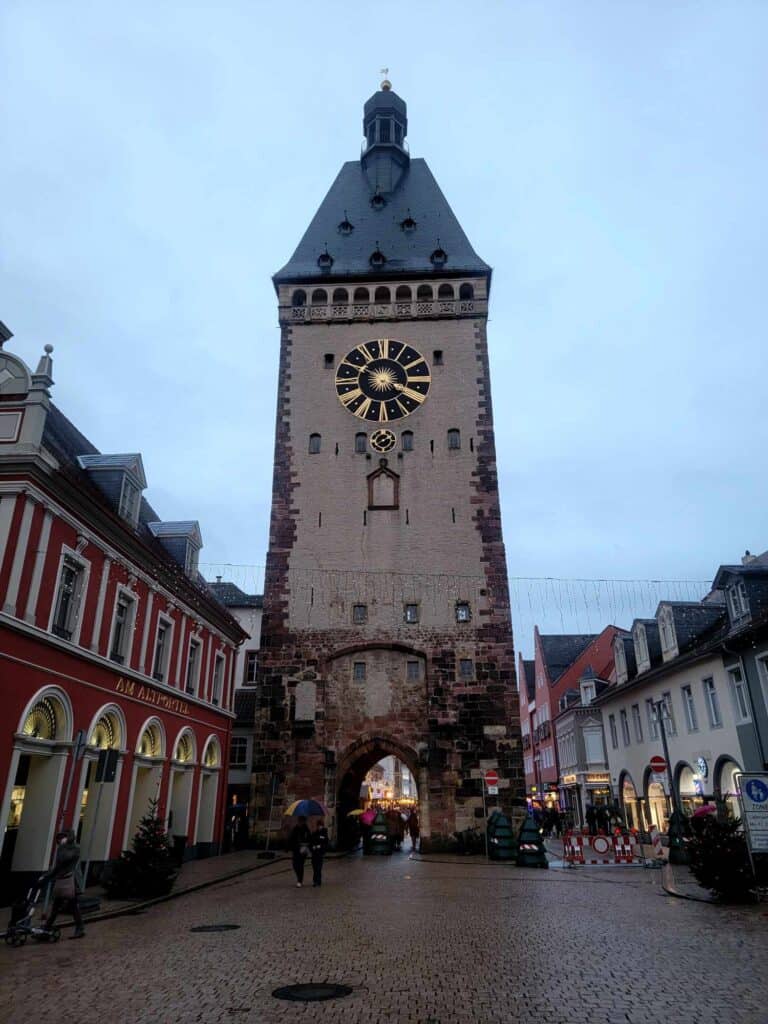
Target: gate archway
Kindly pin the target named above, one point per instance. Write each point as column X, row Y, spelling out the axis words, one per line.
column 355, row 764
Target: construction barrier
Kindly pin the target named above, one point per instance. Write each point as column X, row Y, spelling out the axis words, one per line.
column 620, row 848
column 658, row 850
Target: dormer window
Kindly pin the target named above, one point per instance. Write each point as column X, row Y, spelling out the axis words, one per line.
column 346, row 227
column 129, row 501
column 325, row 260
column 737, row 600
column 182, row 541
column 587, row 693
column 620, row 660
column 641, row 645
column 408, row 225
column 378, row 259
column 378, row 202
column 667, row 630
column 438, row 257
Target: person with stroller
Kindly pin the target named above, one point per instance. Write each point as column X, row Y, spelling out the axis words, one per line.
column 318, row 844
column 62, row 874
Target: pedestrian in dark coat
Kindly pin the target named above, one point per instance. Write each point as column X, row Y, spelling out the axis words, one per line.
column 591, row 817
column 62, row 874
column 318, row 844
column 298, row 843
column 413, row 828
column 603, row 819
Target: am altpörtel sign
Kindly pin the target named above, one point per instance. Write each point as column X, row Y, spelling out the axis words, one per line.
column 753, row 797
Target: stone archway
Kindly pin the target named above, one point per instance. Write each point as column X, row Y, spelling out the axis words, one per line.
column 352, row 767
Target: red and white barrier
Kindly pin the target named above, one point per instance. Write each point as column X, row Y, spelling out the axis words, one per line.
column 620, row 848
column 573, row 848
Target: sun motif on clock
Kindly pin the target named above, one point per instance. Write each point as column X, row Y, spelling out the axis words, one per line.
column 383, row 380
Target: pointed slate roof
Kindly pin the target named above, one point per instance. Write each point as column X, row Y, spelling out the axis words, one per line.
column 405, row 188
column 561, row 650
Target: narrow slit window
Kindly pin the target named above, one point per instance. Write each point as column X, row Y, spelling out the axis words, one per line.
column 437, row 357
column 361, row 443
column 328, row 360
column 406, row 440
column 314, row 444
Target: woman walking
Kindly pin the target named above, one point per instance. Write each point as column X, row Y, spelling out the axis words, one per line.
column 64, row 885
column 318, row 844
column 298, row 843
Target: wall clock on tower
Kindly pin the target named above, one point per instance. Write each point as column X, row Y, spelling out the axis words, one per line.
column 382, row 380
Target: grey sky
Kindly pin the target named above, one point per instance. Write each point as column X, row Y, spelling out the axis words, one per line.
column 161, row 161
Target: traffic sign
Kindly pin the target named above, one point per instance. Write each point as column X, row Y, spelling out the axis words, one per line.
column 754, row 803
column 658, row 764
column 491, row 778
column 493, row 791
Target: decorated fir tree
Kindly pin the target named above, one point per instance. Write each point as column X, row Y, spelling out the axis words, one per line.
column 719, row 859
column 148, row 869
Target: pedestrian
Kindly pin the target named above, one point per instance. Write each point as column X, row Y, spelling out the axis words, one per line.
column 298, row 844
column 413, row 828
column 603, row 819
column 591, row 817
column 394, row 829
column 367, row 819
column 557, row 822
column 62, row 874
column 318, row 844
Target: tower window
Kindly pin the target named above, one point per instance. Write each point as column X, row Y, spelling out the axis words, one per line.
column 454, row 439
column 406, row 440
column 466, row 668
column 385, row 130
column 398, row 133
column 403, row 293
column 340, row 295
column 437, row 357
column 346, row 227
column 371, row 133
column 425, row 293
column 299, row 298
column 383, row 295
column 358, row 671
column 361, row 295
column 377, row 259
column 325, row 260
column 314, row 444
column 466, row 292
column 438, row 257
column 463, row 612
column 413, row 671
column 411, row 613
column 359, row 614
column 409, row 224
column 361, row 442
column 378, row 202
column 445, row 291
column 328, row 360
column 319, row 297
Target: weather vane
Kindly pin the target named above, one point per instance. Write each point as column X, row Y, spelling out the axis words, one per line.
column 386, row 84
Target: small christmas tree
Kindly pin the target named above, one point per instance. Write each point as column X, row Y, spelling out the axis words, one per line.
column 719, row 859
column 149, row 869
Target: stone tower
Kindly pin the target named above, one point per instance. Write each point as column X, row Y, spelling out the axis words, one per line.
column 386, row 607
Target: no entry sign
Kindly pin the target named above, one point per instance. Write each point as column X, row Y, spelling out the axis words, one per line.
column 658, row 765
column 491, row 778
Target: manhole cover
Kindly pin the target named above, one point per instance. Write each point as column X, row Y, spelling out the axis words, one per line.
column 215, row 928
column 312, row 992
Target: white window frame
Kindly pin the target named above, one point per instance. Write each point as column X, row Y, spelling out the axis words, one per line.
column 689, row 707
column 739, row 696
column 415, row 676
column 217, row 686
column 240, row 741
column 463, row 611
column 667, row 630
column 670, row 725
column 620, row 658
column 587, row 693
column 642, row 646
column 70, row 554
column 195, row 686
column 192, row 559
column 712, row 702
column 162, row 620
column 738, row 600
column 624, row 722
column 123, row 591
column 653, row 724
column 129, row 512
column 251, row 662
column 415, row 619
column 637, row 722
column 613, row 732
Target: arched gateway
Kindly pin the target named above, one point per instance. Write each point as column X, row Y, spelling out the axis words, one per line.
column 386, row 623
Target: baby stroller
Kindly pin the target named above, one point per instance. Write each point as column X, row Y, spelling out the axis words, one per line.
column 22, row 925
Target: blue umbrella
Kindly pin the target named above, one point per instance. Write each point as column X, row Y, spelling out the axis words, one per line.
column 307, row 808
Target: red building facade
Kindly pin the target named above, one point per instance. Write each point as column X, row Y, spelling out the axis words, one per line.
column 560, row 662
column 109, row 641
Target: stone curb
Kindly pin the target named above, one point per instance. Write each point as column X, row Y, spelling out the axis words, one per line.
column 669, row 887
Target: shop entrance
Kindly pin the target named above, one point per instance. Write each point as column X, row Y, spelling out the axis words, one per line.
column 378, row 780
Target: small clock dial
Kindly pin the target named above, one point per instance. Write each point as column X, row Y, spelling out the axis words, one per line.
column 383, row 440
column 383, row 380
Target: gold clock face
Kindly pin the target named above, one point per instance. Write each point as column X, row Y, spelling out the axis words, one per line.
column 382, row 380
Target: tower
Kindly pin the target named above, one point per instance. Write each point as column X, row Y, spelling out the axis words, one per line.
column 386, row 609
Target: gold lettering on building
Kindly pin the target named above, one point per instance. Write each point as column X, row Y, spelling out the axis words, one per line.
column 150, row 696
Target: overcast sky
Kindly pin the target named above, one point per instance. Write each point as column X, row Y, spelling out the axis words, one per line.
column 161, row 161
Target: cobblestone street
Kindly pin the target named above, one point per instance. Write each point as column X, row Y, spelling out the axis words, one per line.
column 429, row 942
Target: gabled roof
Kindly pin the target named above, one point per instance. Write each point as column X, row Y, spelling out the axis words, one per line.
column 561, row 650
column 231, row 596
column 130, row 462
column 726, row 573
column 189, row 528
column 629, row 654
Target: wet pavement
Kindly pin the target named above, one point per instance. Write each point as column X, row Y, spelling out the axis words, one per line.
column 429, row 941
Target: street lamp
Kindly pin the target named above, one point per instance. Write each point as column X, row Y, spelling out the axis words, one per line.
column 677, row 853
